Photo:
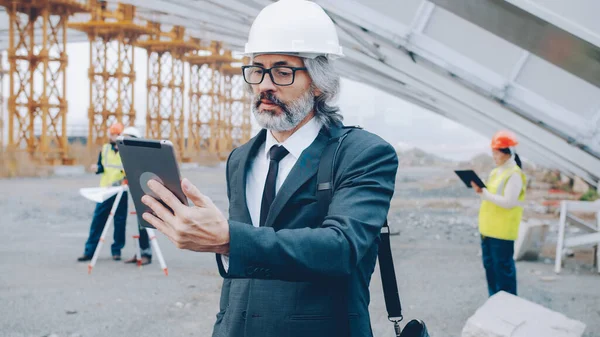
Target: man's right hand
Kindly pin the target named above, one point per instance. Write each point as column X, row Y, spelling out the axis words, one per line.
column 94, row 168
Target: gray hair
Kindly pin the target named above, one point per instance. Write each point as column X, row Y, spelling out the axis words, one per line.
column 325, row 78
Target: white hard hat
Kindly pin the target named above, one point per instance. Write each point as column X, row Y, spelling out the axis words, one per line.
column 296, row 27
column 132, row 131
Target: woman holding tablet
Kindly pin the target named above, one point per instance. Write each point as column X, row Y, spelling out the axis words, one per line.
column 500, row 214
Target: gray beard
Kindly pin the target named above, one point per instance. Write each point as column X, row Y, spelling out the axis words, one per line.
column 293, row 113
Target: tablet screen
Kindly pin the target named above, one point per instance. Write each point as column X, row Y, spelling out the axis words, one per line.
column 469, row 175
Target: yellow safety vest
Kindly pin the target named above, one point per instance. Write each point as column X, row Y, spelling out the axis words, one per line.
column 498, row 222
column 113, row 173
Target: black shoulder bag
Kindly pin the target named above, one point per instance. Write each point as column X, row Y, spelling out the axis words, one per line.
column 325, row 176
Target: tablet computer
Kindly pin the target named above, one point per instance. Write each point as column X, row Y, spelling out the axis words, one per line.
column 469, row 175
column 145, row 159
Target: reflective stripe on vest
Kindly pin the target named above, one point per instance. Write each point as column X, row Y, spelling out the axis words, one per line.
column 113, row 169
column 498, row 222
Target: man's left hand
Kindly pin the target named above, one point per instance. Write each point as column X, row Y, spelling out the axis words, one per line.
column 201, row 227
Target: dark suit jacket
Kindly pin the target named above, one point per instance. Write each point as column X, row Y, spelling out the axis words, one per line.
column 290, row 277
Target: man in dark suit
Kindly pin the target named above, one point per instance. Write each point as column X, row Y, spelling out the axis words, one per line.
column 290, row 269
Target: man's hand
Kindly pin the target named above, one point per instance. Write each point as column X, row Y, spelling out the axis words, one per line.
column 477, row 189
column 201, row 228
column 94, row 168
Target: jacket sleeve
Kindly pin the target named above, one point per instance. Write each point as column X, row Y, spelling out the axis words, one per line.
column 358, row 209
column 222, row 260
column 510, row 198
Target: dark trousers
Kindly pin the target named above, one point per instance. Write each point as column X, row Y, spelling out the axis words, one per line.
column 101, row 214
column 499, row 265
column 144, row 242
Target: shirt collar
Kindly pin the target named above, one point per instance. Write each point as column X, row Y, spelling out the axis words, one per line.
column 298, row 141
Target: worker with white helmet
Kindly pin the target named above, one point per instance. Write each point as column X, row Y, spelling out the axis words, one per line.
column 132, row 131
column 145, row 248
column 290, row 266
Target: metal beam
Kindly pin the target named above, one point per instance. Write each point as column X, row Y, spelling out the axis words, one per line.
column 206, row 34
column 356, row 34
column 557, row 46
column 473, row 123
column 466, row 104
column 422, row 17
column 362, row 16
column 558, row 19
column 485, row 81
column 518, row 67
column 191, row 15
column 379, row 79
column 235, row 6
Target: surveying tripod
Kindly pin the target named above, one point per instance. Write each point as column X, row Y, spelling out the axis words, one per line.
column 119, row 193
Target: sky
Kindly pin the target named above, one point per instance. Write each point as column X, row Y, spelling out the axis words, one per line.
column 401, row 123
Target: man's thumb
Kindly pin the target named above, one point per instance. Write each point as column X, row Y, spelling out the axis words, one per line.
column 194, row 194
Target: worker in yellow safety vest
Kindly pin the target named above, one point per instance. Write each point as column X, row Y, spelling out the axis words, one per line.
column 110, row 167
column 500, row 214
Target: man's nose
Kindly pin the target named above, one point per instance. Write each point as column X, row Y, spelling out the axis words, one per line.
column 266, row 85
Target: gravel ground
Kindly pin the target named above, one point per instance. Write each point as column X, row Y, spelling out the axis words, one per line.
column 45, row 292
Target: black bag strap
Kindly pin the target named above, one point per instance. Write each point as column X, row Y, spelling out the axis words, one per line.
column 325, row 173
column 325, row 186
column 388, row 276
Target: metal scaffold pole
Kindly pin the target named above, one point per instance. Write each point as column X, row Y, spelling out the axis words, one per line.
column 219, row 111
column 112, row 69
column 37, row 106
column 165, row 117
column 2, row 109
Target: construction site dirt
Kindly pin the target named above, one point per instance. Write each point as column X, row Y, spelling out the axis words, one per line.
column 44, row 291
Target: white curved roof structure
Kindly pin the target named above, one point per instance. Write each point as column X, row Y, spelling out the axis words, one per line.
column 532, row 66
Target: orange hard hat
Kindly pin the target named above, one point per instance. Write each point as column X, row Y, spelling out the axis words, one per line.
column 504, row 139
column 116, row 129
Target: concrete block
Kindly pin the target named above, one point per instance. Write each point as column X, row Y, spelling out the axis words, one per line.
column 580, row 186
column 506, row 315
column 529, row 243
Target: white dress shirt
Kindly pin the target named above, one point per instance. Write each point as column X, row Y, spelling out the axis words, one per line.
column 259, row 167
column 512, row 190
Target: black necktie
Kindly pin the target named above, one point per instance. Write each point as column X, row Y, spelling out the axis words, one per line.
column 276, row 153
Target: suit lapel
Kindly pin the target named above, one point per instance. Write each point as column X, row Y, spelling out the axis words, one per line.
column 306, row 167
column 239, row 174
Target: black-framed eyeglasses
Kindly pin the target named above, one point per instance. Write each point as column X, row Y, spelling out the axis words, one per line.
column 280, row 75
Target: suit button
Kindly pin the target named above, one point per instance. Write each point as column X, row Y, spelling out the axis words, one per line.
column 244, row 314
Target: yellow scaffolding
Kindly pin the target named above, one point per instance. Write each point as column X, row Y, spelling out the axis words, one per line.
column 37, row 107
column 237, row 102
column 111, row 73
column 219, row 111
column 2, row 72
column 165, row 116
column 204, row 99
